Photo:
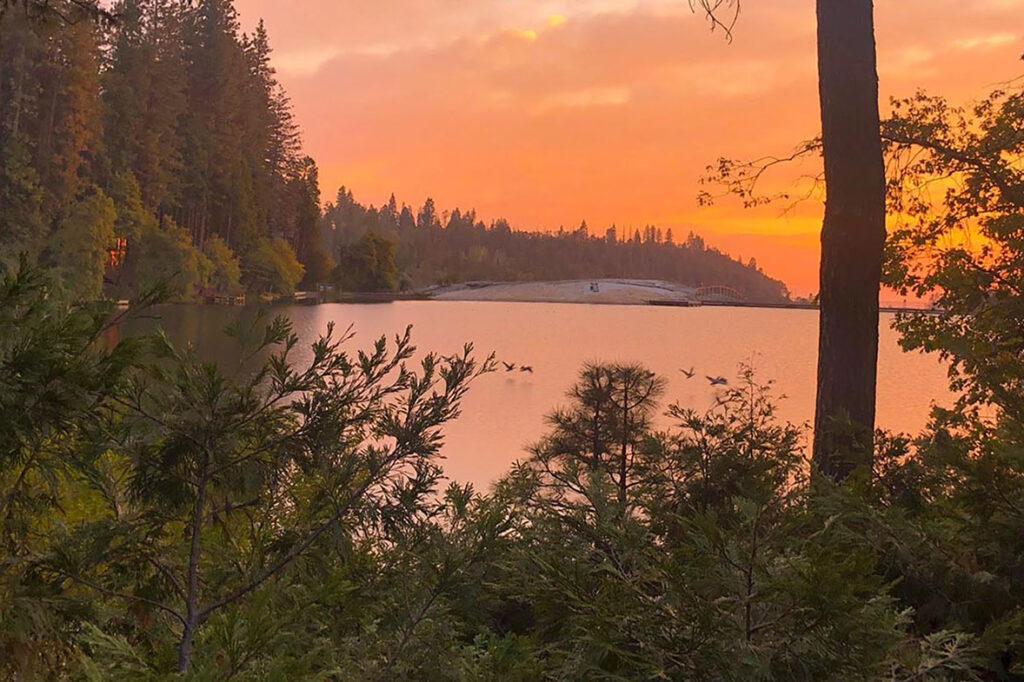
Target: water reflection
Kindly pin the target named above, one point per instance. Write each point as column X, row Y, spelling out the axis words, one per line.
column 504, row 412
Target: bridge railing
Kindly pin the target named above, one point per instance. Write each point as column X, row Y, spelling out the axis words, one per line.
column 719, row 292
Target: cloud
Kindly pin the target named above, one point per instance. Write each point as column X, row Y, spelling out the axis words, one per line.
column 989, row 41
column 585, row 98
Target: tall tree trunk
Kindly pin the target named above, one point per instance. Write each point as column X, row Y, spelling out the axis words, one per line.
column 625, row 446
column 18, row 90
column 192, row 583
column 852, row 237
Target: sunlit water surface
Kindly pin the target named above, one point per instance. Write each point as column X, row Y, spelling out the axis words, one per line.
column 505, row 412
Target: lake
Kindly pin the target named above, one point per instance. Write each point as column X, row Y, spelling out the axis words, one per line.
column 504, row 412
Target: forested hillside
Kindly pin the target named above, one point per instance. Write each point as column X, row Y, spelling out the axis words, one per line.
column 159, row 148
column 429, row 247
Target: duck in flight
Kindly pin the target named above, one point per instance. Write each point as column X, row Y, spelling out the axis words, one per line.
column 688, row 372
column 508, row 366
column 526, row 368
column 718, row 381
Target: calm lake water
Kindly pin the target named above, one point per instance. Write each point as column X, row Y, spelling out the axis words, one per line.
column 504, row 412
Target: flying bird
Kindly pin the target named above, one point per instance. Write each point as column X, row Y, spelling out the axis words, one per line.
column 508, row 366
column 718, row 381
column 688, row 372
column 526, row 368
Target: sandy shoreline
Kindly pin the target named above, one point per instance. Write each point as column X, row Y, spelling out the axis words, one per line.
column 609, row 291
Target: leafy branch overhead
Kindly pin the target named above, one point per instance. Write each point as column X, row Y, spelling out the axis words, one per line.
column 923, row 132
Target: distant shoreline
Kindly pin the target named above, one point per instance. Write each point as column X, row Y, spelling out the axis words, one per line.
column 604, row 291
column 617, row 291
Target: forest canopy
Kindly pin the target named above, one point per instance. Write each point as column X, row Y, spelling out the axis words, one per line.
column 159, row 146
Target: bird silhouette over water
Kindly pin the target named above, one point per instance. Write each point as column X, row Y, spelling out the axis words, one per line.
column 526, row 368
column 688, row 372
column 508, row 366
column 718, row 381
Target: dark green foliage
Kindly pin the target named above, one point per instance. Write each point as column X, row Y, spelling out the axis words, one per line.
column 78, row 246
column 49, row 89
column 56, row 380
column 175, row 115
column 156, row 505
column 21, row 230
column 367, row 265
column 720, row 565
column 960, row 486
column 603, row 437
column 68, row 11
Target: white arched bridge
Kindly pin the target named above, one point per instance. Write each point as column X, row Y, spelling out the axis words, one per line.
column 719, row 293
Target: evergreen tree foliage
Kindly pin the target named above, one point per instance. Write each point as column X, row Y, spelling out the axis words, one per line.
column 144, row 99
column 602, row 434
column 78, row 248
column 55, row 380
column 165, row 257
column 21, row 198
column 368, row 265
column 175, row 114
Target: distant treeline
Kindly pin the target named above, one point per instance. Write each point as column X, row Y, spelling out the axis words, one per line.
column 429, row 247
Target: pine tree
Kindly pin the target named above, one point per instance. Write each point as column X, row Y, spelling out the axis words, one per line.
column 21, row 198
column 427, row 217
column 218, row 190
column 69, row 130
column 144, row 101
column 406, row 220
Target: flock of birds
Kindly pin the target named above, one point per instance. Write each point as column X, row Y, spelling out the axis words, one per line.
column 688, row 373
column 511, row 367
column 714, row 381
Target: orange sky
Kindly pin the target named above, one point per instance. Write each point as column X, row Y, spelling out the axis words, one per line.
column 547, row 112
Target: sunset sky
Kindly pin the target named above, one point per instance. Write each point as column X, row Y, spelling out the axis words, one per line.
column 547, row 112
